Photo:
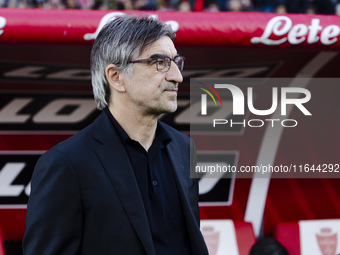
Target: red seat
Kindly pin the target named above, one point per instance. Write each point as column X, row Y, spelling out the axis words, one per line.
column 242, row 240
column 245, row 236
column 2, row 249
column 310, row 236
column 288, row 234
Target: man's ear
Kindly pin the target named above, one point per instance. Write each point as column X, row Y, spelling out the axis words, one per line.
column 113, row 76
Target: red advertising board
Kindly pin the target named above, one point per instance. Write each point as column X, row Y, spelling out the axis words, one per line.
column 45, row 80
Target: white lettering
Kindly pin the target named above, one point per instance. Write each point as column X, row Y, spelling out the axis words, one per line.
column 256, row 120
column 2, row 24
column 72, row 74
column 273, row 26
column 106, row 19
column 297, row 101
column 262, row 112
column 113, row 15
column 7, row 175
column 253, row 122
column 272, row 121
column 291, row 120
column 26, row 72
column 314, row 29
column 219, row 122
column 282, row 27
column 238, row 100
column 28, row 189
column 49, row 114
column 243, row 123
column 204, row 104
column 298, row 31
column 329, row 34
column 10, row 112
column 238, row 97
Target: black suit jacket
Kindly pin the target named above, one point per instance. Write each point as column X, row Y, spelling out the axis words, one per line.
column 85, row 198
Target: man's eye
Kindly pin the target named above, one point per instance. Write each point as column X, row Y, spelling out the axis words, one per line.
column 161, row 61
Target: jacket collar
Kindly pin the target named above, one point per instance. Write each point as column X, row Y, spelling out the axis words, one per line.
column 114, row 159
column 111, row 152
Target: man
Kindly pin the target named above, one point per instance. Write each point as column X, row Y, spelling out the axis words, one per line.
column 122, row 185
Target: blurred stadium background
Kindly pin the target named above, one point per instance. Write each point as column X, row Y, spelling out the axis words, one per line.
column 46, row 97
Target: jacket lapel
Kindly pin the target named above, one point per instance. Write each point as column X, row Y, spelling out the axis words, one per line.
column 178, row 169
column 174, row 156
column 115, row 161
column 197, row 243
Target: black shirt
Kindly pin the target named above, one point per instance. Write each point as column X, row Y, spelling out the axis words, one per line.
column 157, row 185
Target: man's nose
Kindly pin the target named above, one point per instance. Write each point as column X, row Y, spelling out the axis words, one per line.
column 174, row 74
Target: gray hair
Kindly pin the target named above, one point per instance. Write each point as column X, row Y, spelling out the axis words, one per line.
column 118, row 42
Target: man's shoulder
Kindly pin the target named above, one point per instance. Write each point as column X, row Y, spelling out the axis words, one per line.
column 74, row 145
column 82, row 140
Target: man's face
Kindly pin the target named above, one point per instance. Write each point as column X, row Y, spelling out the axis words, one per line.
column 149, row 91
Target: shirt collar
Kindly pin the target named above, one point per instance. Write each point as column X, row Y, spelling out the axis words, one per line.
column 162, row 136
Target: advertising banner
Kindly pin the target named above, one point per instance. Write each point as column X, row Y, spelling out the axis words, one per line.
column 279, row 126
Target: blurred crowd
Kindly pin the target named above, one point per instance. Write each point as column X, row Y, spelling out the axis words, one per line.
column 278, row 6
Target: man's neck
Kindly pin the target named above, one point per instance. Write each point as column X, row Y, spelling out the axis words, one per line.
column 139, row 128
